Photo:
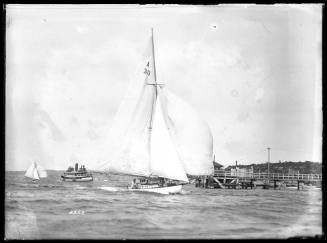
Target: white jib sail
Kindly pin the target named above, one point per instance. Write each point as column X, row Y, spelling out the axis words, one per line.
column 192, row 135
column 164, row 158
column 41, row 171
column 35, row 174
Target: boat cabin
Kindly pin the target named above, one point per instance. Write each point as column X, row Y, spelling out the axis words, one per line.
column 76, row 170
column 77, row 174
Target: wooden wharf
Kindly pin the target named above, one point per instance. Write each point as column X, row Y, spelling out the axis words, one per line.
column 248, row 180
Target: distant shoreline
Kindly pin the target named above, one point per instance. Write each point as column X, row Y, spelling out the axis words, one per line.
column 274, row 166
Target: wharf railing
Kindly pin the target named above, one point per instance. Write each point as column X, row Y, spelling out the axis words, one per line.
column 264, row 175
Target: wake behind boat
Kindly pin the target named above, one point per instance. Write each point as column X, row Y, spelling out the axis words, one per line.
column 157, row 136
column 77, row 174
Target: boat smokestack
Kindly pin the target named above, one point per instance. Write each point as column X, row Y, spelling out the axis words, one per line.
column 76, row 167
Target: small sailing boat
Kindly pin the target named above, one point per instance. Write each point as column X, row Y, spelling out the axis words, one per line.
column 158, row 137
column 35, row 172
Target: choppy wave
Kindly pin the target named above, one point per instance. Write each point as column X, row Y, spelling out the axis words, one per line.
column 103, row 210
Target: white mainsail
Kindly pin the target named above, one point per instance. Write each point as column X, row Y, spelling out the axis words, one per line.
column 130, row 129
column 36, row 172
column 146, row 137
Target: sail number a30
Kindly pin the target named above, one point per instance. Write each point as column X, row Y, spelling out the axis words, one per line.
column 146, row 69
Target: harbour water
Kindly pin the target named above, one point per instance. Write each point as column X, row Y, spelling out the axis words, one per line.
column 102, row 209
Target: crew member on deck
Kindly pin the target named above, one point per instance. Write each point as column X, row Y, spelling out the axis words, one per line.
column 134, row 183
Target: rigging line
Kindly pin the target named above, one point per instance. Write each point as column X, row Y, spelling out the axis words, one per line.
column 101, row 165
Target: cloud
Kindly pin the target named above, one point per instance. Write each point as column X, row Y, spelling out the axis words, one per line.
column 81, row 29
column 218, row 55
column 242, row 117
column 259, row 95
column 234, row 93
column 77, row 66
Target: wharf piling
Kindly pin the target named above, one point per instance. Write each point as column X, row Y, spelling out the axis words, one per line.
column 223, row 179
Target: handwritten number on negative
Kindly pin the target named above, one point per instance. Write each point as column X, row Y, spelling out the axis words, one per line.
column 77, row 212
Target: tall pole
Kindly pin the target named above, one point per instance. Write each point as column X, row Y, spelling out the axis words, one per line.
column 155, row 93
column 154, row 62
column 268, row 161
column 155, row 85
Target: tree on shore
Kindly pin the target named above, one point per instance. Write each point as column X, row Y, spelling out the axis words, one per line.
column 286, row 167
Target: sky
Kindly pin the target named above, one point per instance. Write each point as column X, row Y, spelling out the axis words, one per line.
column 252, row 72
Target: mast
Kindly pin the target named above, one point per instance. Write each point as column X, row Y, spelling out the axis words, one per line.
column 268, row 162
column 154, row 61
column 155, row 88
column 154, row 98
